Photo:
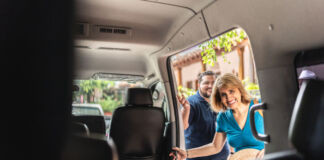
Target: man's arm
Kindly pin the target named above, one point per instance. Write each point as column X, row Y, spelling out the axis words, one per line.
column 185, row 117
column 185, row 111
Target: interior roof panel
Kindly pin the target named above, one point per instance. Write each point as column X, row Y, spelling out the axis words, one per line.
column 195, row 5
column 151, row 23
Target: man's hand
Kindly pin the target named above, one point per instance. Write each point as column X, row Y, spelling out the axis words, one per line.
column 184, row 102
column 185, row 111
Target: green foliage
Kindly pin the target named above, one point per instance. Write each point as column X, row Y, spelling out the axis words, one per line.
column 88, row 86
column 186, row 92
column 252, row 88
column 109, row 104
column 110, row 98
column 224, row 43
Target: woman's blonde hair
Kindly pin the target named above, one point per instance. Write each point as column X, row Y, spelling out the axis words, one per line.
column 228, row 81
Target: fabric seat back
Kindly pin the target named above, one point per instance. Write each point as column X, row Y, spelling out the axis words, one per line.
column 307, row 124
column 137, row 128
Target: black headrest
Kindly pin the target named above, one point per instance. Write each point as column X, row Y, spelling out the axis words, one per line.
column 138, row 132
column 307, row 124
column 139, row 96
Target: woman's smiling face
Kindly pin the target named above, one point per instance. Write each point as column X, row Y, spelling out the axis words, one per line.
column 230, row 97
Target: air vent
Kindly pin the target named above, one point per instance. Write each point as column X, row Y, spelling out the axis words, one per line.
column 114, row 49
column 82, row 29
column 114, row 30
column 104, row 31
column 120, row 31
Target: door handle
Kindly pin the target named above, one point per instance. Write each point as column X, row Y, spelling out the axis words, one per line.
column 261, row 137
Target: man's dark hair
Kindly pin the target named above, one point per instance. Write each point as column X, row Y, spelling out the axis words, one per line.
column 206, row 73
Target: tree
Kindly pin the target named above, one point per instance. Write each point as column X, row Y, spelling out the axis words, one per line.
column 109, row 104
column 252, row 88
column 110, row 98
column 87, row 87
column 222, row 43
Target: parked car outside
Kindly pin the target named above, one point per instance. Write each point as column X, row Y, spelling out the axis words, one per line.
column 87, row 109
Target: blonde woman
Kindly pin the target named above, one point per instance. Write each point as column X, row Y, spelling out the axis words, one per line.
column 231, row 100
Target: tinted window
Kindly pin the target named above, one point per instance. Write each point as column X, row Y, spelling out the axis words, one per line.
column 85, row 111
column 110, row 94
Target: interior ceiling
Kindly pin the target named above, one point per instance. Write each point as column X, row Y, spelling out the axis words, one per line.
column 152, row 23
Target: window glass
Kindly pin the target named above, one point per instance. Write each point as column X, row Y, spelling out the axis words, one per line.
column 101, row 97
column 105, row 93
column 229, row 53
column 85, row 111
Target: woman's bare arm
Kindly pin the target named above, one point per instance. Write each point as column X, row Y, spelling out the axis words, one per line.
column 206, row 150
column 209, row 149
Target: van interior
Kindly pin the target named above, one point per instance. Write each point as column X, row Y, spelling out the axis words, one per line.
column 48, row 45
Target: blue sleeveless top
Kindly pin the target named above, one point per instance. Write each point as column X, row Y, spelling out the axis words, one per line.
column 240, row 138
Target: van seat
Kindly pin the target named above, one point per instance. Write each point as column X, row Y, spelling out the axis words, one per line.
column 96, row 124
column 83, row 147
column 138, row 127
column 306, row 127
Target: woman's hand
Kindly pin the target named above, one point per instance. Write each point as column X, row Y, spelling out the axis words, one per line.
column 260, row 154
column 181, row 154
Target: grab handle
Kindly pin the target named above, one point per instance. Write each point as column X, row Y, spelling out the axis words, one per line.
column 261, row 137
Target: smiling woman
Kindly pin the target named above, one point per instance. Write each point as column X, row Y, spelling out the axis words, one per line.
column 230, row 97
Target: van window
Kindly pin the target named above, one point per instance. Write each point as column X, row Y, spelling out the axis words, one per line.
column 104, row 94
column 84, row 110
column 229, row 53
